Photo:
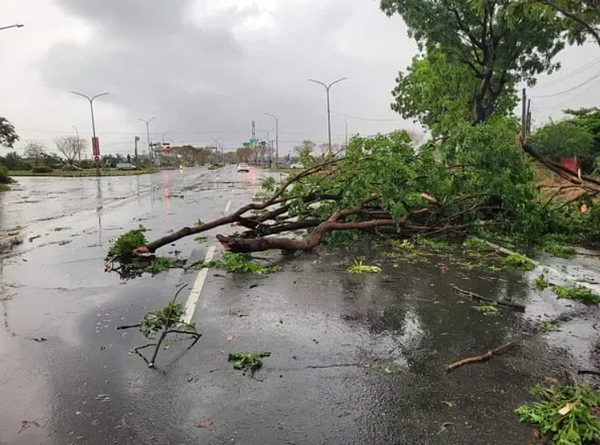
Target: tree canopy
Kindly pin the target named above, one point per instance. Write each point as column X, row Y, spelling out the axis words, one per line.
column 8, row 135
column 501, row 42
column 562, row 140
column 438, row 91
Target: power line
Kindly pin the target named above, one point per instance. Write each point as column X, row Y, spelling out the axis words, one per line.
column 574, row 73
column 597, row 75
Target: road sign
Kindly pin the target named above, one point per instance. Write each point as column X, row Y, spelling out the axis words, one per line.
column 95, row 146
column 96, row 158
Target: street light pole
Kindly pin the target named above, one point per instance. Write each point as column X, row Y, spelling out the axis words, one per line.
column 268, row 132
column 18, row 25
column 91, row 100
column 147, row 122
column 276, row 138
column 78, row 144
column 327, row 88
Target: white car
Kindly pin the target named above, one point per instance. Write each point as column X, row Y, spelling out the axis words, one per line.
column 296, row 166
column 125, row 166
column 243, row 168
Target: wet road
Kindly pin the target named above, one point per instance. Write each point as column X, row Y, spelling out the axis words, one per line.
column 355, row 359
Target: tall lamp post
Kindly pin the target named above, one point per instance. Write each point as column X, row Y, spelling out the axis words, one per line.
column 95, row 143
column 18, row 25
column 276, row 138
column 327, row 88
column 147, row 122
column 78, row 143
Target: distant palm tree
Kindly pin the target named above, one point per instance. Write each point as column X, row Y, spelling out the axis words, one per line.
column 119, row 157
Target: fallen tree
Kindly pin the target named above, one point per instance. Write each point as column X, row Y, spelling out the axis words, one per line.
column 476, row 180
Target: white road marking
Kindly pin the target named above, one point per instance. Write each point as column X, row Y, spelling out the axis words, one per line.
column 227, row 206
column 190, row 305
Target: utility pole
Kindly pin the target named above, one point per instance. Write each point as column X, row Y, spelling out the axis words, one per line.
column 528, row 121
column 136, row 140
column 78, row 144
column 150, row 152
column 327, row 88
column 276, row 138
column 95, row 141
column 253, row 130
column 18, row 25
column 346, row 144
column 524, row 116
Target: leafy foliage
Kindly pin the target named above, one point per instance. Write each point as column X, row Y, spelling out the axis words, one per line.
column 438, row 91
column 519, row 260
column 4, row 178
column 160, row 264
column 169, row 316
column 549, row 326
column 560, row 140
column 502, row 43
column 342, row 237
column 541, row 283
column 248, row 361
column 558, row 249
column 576, row 293
column 126, row 243
column 237, row 263
column 360, row 268
column 8, row 135
column 564, row 415
column 486, row 309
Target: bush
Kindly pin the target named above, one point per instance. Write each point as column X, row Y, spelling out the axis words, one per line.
column 42, row 169
column 4, row 178
column 562, row 140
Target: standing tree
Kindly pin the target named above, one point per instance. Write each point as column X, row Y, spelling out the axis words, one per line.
column 244, row 154
column 8, row 135
column 503, row 42
column 35, row 151
column 70, row 147
column 438, row 91
column 582, row 17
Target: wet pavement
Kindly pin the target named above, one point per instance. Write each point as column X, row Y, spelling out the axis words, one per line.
column 355, row 359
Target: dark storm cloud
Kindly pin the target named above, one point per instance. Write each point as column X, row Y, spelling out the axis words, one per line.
column 198, row 75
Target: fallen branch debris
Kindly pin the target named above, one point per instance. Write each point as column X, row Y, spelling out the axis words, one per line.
column 169, row 319
column 480, row 358
column 515, row 306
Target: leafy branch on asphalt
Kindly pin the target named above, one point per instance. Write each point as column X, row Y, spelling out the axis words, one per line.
column 248, row 361
column 237, row 263
column 564, row 414
column 168, row 320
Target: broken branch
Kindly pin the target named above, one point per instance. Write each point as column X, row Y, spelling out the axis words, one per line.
column 480, row 358
column 515, row 306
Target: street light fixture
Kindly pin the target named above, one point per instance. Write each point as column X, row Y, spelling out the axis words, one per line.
column 327, row 88
column 18, row 25
column 91, row 100
column 147, row 122
column 276, row 138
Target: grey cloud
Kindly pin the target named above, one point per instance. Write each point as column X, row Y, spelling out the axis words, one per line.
column 202, row 78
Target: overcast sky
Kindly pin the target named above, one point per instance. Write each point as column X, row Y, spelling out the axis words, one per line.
column 207, row 68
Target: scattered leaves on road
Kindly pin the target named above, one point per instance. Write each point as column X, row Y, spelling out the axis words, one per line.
column 248, row 361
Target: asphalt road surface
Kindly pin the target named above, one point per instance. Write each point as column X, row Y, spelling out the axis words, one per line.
column 354, row 359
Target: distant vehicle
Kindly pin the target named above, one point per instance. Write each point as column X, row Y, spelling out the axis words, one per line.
column 125, row 166
column 296, row 166
column 70, row 168
column 243, row 168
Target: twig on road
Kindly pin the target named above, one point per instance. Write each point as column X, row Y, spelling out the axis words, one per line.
column 509, row 304
column 480, row 358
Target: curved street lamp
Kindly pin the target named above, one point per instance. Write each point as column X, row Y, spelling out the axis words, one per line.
column 91, row 100
column 327, row 88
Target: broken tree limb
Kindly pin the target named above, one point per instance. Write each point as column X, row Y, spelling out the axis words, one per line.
column 515, row 306
column 480, row 358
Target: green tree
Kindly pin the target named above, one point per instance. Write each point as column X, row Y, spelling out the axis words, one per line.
column 503, row 42
column 8, row 135
column 581, row 17
column 562, row 140
column 439, row 92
